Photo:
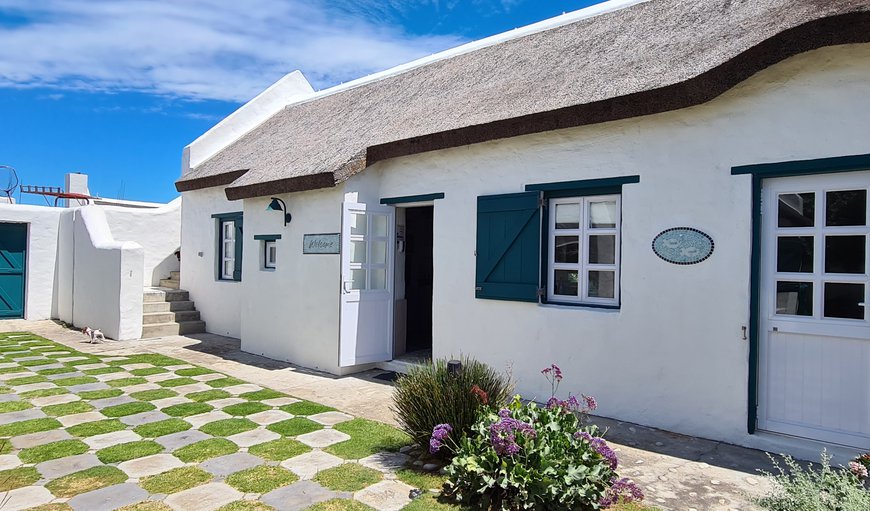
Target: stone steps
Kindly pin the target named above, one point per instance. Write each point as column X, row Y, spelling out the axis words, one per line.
column 168, row 310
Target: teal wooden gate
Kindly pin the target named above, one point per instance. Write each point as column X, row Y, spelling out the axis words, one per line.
column 13, row 245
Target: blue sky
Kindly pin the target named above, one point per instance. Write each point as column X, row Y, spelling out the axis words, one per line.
column 116, row 88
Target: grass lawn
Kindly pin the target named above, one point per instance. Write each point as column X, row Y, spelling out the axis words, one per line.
column 306, row 408
column 161, row 428
column 85, row 481
column 175, row 480
column 367, row 438
column 187, row 409
column 261, row 479
column 279, row 450
column 341, row 505
column 294, row 427
column 128, row 451
column 348, row 477
column 96, row 428
column 205, row 449
column 53, row 450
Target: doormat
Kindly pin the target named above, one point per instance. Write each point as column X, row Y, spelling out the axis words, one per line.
column 389, row 376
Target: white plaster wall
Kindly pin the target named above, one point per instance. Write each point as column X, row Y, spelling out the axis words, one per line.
column 157, row 230
column 291, row 313
column 672, row 356
column 43, row 253
column 292, row 87
column 107, row 279
column 217, row 300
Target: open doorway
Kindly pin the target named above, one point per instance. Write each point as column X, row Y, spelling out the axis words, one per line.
column 414, row 283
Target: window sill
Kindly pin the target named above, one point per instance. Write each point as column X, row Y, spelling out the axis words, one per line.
column 229, row 281
column 580, row 306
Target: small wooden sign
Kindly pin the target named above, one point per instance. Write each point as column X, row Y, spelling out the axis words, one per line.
column 321, row 243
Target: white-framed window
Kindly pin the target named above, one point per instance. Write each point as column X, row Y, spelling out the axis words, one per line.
column 270, row 254
column 583, row 252
column 227, row 249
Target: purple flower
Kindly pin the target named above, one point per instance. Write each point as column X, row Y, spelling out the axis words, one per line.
column 599, row 446
column 554, row 371
column 591, row 403
column 620, row 488
column 439, row 434
column 858, row 469
column 503, row 434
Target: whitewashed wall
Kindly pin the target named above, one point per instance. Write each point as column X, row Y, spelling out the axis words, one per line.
column 673, row 355
column 291, row 313
column 42, row 291
column 218, row 301
column 157, row 230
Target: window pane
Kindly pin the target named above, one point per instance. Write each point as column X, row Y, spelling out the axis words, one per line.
column 844, row 254
column 848, row 207
column 567, row 216
column 379, row 278
column 602, row 249
column 602, row 215
column 228, row 269
column 794, row 298
column 601, row 284
column 357, row 251
column 358, row 279
column 841, row 300
column 565, row 283
column 379, row 225
column 379, row 252
column 797, row 209
column 794, row 254
column 357, row 223
column 229, row 230
column 567, row 249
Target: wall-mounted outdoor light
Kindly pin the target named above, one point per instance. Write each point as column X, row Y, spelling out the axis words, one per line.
column 278, row 205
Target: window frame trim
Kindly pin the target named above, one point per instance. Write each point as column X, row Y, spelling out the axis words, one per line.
column 237, row 217
column 583, row 266
column 267, row 265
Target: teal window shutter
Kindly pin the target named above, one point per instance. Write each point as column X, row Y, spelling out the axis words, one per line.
column 237, row 267
column 509, row 246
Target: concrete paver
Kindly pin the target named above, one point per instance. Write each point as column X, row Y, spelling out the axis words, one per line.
column 8, row 461
column 323, row 438
column 43, row 437
column 203, row 498
column 150, row 465
column 309, row 464
column 231, row 463
column 53, row 469
column 80, row 418
column 144, row 418
column 204, row 418
column 109, row 439
column 178, row 440
column 253, row 437
column 330, row 418
column 269, row 417
column 22, row 415
column 27, row 497
column 109, row 498
column 389, row 495
column 385, row 461
column 298, row 496
column 54, row 400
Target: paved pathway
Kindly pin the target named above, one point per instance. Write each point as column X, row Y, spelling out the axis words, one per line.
column 677, row 472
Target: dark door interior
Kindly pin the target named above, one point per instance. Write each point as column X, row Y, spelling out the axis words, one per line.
column 418, row 277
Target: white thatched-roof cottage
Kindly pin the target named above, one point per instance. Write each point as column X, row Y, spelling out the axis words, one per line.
column 667, row 198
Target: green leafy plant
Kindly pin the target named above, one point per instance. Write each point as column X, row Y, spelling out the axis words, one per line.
column 431, row 395
column 827, row 488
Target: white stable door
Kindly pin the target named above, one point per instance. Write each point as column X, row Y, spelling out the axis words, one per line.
column 815, row 326
column 366, row 333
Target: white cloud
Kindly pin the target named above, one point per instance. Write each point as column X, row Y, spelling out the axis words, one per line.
column 199, row 49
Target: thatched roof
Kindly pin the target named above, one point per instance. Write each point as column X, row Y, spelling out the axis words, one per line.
column 651, row 57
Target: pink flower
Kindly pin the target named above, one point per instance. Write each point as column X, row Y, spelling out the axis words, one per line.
column 591, row 403
column 858, row 469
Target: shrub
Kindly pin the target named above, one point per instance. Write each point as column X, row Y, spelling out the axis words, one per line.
column 430, row 395
column 825, row 489
column 526, row 456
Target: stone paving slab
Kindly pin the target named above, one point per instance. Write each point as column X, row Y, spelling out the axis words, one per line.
column 36, row 369
column 203, row 498
column 298, row 496
column 323, row 438
column 141, row 387
column 309, row 464
column 191, row 388
column 112, row 376
column 385, row 461
column 27, row 497
column 54, row 400
column 40, row 438
column 20, row 389
column 88, row 367
column 269, row 417
column 225, row 402
column 150, row 465
column 389, row 495
column 99, row 404
column 109, row 439
column 80, row 418
column 178, row 440
column 8, row 461
column 154, row 378
column 75, row 374
column 87, row 387
column 204, row 418
column 144, row 418
column 53, row 469
column 243, row 388
column 281, row 401
column 132, row 367
column 208, row 377
column 170, row 401
column 109, row 498
column 9, row 397
column 22, row 415
column 231, row 463
column 330, row 418
column 253, row 437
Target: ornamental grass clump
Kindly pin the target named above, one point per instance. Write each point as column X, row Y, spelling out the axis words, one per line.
column 526, row 456
column 430, row 395
column 796, row 488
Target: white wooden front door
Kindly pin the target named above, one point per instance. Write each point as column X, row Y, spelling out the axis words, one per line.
column 366, row 333
column 815, row 328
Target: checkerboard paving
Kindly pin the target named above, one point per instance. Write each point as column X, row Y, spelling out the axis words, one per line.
column 93, row 433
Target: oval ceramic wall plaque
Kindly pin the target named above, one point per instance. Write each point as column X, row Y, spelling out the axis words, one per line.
column 683, row 245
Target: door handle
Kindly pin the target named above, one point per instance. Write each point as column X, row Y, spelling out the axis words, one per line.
column 344, row 286
column 861, row 304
